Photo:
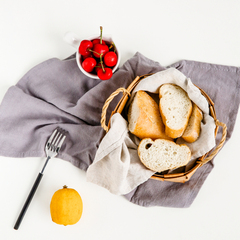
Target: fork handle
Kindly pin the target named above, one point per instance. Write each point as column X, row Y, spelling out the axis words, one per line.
column 28, row 201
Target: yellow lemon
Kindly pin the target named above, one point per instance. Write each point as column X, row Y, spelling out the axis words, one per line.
column 66, row 206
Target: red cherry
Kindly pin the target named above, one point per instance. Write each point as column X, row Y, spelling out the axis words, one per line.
column 105, row 75
column 99, row 66
column 95, row 41
column 88, row 64
column 84, row 47
column 87, row 56
column 99, row 49
column 110, row 59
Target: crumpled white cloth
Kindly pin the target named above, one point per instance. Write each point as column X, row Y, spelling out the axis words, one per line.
column 116, row 166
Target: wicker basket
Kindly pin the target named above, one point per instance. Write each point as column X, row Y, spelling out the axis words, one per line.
column 172, row 177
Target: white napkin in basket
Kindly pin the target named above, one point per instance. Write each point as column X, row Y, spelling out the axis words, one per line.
column 117, row 166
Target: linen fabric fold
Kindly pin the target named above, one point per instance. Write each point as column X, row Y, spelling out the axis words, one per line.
column 56, row 93
column 116, row 166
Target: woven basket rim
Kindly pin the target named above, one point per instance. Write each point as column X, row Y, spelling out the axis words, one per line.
column 172, row 177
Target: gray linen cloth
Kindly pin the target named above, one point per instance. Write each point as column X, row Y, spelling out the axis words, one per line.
column 56, row 93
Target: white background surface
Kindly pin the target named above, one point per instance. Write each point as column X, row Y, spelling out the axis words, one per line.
column 164, row 31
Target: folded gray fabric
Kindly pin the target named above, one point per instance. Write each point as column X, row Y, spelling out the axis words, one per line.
column 56, row 93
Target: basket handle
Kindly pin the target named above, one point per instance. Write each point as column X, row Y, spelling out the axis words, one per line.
column 106, row 104
column 220, row 145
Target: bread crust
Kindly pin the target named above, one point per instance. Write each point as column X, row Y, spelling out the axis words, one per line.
column 144, row 118
column 193, row 129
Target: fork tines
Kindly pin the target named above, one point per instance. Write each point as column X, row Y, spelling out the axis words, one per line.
column 56, row 139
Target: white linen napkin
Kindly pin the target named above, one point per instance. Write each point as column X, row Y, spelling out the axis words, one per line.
column 116, row 166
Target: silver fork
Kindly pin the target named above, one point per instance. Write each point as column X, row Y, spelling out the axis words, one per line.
column 52, row 148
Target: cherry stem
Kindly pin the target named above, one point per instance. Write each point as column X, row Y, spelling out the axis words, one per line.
column 90, row 50
column 114, row 47
column 101, row 28
column 102, row 62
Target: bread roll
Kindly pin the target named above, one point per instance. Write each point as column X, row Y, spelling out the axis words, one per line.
column 175, row 108
column 144, row 117
column 161, row 154
column 193, row 129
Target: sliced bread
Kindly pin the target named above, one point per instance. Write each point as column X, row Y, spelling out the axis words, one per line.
column 161, row 154
column 175, row 108
column 144, row 117
column 193, row 129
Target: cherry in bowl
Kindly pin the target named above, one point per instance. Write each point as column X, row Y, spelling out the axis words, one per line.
column 104, row 51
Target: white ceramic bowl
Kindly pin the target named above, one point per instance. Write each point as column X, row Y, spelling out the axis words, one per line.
column 72, row 39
